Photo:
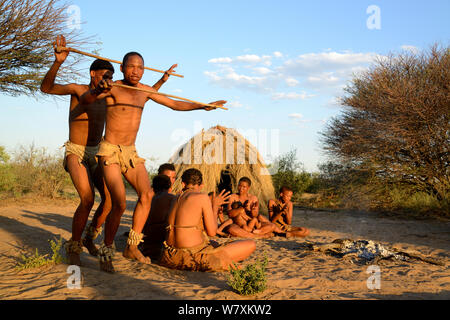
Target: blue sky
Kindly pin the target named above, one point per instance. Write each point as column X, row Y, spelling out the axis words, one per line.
column 279, row 64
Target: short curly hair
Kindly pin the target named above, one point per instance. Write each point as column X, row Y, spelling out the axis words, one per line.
column 192, row 176
column 166, row 166
column 245, row 179
column 161, row 182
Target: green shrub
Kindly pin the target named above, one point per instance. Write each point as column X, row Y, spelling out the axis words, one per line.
column 290, row 173
column 32, row 261
column 416, row 202
column 4, row 156
column 250, row 280
column 32, row 171
column 56, row 246
column 7, row 178
column 352, row 188
column 7, row 175
column 37, row 260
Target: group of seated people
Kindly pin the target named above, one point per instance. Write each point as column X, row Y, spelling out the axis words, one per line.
column 178, row 227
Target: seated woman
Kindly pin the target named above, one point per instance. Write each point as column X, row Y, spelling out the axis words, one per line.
column 192, row 219
column 249, row 204
column 280, row 213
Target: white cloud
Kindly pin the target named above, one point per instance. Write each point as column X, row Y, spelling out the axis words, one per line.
column 291, row 96
column 298, row 119
column 291, row 82
column 262, row 70
column 295, row 116
column 251, row 58
column 212, row 76
column 278, row 54
column 267, row 60
column 324, row 78
column 324, row 72
column 334, row 102
column 326, row 62
column 229, row 78
column 220, row 60
column 412, row 49
column 254, row 59
column 234, row 104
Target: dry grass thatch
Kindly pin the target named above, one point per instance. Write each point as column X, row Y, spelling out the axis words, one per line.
column 221, row 149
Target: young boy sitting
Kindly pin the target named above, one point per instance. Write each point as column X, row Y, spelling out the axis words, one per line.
column 280, row 213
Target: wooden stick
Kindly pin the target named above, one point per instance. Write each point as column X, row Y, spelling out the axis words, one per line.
column 167, row 95
column 59, row 49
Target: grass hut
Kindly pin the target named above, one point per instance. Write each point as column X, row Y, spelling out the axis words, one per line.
column 224, row 156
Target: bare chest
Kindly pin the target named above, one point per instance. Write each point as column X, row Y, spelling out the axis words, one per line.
column 94, row 112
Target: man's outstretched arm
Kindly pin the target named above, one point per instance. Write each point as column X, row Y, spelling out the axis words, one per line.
column 164, row 78
column 182, row 105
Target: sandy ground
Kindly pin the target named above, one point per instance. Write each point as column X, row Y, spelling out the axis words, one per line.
column 293, row 272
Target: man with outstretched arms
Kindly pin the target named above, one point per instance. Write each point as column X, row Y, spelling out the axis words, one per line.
column 118, row 156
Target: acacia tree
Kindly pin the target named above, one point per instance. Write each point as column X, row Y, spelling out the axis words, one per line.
column 396, row 121
column 290, row 173
column 27, row 30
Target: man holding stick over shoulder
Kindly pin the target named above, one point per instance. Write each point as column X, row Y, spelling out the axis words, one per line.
column 117, row 155
column 86, row 124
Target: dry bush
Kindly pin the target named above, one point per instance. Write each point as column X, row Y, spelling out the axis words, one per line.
column 28, row 29
column 33, row 171
column 396, row 123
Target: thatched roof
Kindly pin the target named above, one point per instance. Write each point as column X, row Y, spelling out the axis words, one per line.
column 224, row 149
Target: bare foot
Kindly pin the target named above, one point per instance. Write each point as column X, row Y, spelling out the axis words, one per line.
column 73, row 251
column 256, row 231
column 89, row 244
column 262, row 235
column 221, row 234
column 268, row 235
column 300, row 233
column 106, row 254
column 132, row 252
column 107, row 266
column 74, row 259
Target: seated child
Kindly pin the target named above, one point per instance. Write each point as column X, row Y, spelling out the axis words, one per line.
column 155, row 226
column 240, row 217
column 280, row 213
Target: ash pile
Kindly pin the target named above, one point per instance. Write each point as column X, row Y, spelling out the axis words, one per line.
column 369, row 252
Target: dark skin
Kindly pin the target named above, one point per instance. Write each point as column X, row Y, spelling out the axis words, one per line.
column 123, row 118
column 86, row 124
column 251, row 206
column 283, row 214
column 240, row 217
column 194, row 206
column 85, row 128
column 172, row 175
column 154, row 228
column 85, row 121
